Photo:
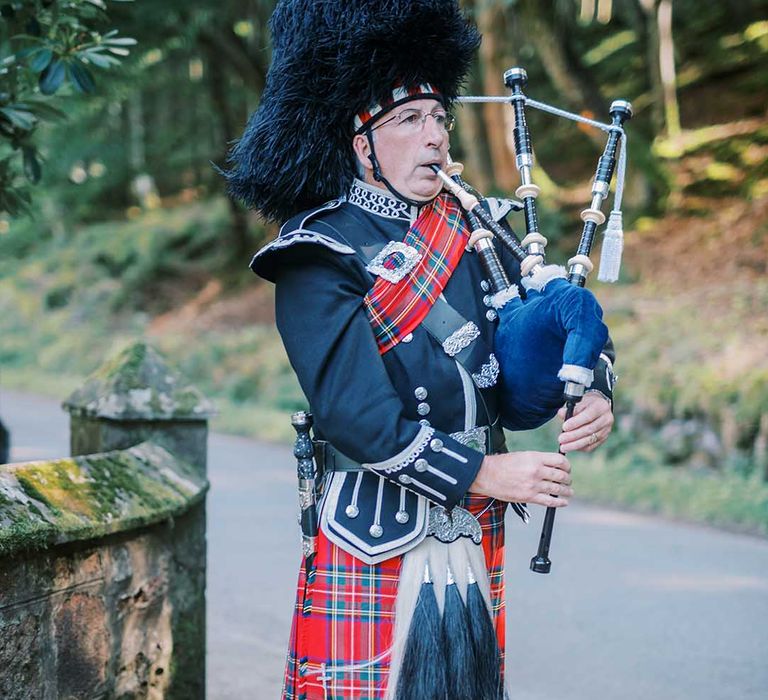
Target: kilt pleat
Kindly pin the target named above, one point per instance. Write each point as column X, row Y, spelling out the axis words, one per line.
column 343, row 620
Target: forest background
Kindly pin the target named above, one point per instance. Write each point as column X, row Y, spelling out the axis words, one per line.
column 114, row 225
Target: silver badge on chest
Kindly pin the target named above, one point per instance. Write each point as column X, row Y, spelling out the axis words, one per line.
column 394, row 261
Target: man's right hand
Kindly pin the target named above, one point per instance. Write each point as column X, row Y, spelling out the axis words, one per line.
column 525, row 477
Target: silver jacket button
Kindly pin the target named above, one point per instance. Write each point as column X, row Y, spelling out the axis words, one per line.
column 485, row 286
column 352, row 511
column 421, row 465
column 436, row 445
column 404, row 479
column 488, row 300
column 420, row 393
column 423, row 409
column 402, row 517
column 407, row 338
column 491, row 315
column 376, row 530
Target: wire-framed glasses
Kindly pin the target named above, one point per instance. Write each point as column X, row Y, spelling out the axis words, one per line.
column 412, row 121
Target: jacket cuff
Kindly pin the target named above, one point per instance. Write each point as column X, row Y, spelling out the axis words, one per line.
column 434, row 465
column 604, row 379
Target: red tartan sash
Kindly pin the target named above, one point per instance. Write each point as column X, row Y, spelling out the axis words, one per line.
column 395, row 309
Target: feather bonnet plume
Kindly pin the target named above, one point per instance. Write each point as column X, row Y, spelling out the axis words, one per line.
column 331, row 60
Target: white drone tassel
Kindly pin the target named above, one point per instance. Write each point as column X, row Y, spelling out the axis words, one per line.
column 613, row 239
column 613, row 246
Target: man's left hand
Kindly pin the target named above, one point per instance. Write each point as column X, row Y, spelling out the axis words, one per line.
column 590, row 425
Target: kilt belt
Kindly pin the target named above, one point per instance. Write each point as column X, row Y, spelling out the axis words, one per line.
column 485, row 439
column 371, row 517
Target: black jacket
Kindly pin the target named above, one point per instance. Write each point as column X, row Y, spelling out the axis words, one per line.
column 406, row 416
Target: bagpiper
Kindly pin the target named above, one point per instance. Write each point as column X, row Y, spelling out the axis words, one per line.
column 388, row 324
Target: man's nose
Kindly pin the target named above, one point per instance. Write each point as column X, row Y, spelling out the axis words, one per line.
column 433, row 134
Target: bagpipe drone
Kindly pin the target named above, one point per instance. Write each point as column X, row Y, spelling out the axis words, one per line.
column 547, row 344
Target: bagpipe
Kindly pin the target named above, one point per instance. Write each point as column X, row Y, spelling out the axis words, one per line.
column 548, row 343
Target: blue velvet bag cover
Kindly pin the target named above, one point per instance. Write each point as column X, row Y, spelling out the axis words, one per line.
column 561, row 325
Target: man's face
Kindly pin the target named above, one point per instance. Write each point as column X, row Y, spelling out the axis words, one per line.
column 405, row 150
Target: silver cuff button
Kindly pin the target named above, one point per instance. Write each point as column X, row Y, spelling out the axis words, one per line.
column 491, row 315
column 420, row 393
column 423, row 409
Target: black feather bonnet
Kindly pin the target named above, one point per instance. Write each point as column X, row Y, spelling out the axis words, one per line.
column 332, row 59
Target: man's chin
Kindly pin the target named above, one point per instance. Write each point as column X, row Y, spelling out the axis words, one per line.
column 427, row 192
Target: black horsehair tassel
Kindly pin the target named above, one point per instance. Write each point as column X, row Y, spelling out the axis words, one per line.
column 486, row 648
column 422, row 676
column 457, row 645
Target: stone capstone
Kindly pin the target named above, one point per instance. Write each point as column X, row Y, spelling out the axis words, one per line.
column 137, row 384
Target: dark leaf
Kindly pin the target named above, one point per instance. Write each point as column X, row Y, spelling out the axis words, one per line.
column 19, row 116
column 52, row 77
column 26, row 52
column 33, row 27
column 82, row 78
column 32, row 168
column 43, row 110
column 98, row 59
column 40, row 60
column 13, row 202
column 120, row 41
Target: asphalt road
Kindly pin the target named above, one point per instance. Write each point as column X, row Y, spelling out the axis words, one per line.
column 635, row 607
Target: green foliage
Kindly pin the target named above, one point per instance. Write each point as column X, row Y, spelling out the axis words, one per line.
column 67, row 303
column 635, row 473
column 639, row 478
column 44, row 45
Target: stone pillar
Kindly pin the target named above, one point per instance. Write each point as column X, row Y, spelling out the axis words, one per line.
column 136, row 397
column 133, row 398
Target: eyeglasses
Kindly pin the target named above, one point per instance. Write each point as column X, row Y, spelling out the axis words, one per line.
column 412, row 121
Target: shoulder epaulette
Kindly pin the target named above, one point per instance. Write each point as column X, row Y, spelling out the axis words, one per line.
column 295, row 232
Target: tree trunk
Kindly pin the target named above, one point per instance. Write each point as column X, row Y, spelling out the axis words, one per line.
column 233, row 51
column 474, row 140
column 240, row 242
column 562, row 65
column 491, row 22
column 667, row 65
column 649, row 33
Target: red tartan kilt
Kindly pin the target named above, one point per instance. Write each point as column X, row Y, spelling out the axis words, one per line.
column 343, row 621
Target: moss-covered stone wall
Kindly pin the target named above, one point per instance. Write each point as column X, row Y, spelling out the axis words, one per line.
column 102, row 577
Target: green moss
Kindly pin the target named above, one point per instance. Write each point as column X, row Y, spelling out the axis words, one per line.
column 87, row 497
column 26, row 535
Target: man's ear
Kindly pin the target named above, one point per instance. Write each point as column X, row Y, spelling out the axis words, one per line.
column 362, row 150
